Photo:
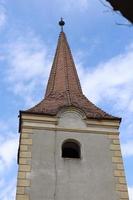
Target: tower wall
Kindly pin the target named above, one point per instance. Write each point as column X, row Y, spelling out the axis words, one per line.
column 44, row 174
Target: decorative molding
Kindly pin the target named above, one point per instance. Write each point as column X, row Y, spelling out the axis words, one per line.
column 89, row 130
column 51, row 123
column 71, row 109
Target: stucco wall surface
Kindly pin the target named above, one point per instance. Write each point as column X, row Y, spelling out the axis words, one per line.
column 56, row 178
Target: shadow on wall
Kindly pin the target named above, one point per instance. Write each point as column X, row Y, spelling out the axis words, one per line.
column 124, row 6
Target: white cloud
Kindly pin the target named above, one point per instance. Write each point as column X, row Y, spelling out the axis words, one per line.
column 111, row 84
column 8, row 157
column 3, row 16
column 27, row 59
column 28, row 66
column 110, row 81
column 8, row 151
column 8, row 147
column 8, row 190
column 130, row 191
column 127, row 149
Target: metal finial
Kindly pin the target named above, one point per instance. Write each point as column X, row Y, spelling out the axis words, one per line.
column 61, row 23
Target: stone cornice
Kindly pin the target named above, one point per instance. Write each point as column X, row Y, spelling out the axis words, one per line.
column 52, row 123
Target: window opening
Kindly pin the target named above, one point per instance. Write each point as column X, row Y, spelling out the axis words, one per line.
column 71, row 149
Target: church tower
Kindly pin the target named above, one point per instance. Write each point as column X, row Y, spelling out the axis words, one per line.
column 69, row 149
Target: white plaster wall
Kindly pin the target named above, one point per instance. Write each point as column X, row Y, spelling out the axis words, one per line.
column 57, row 178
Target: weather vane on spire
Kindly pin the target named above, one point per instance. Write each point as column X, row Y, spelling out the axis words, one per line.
column 61, row 23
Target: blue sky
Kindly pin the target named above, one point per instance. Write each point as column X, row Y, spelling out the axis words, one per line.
column 103, row 53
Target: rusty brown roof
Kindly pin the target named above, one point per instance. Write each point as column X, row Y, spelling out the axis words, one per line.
column 64, row 89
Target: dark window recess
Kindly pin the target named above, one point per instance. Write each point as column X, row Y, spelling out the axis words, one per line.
column 71, row 149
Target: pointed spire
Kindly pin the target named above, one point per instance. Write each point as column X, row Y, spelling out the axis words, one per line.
column 63, row 88
column 63, row 76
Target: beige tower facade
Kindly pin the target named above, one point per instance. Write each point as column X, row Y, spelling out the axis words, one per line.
column 69, row 149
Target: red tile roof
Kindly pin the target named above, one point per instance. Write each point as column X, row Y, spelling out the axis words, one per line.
column 64, row 89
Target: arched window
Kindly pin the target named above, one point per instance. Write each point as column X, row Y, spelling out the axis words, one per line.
column 71, row 149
